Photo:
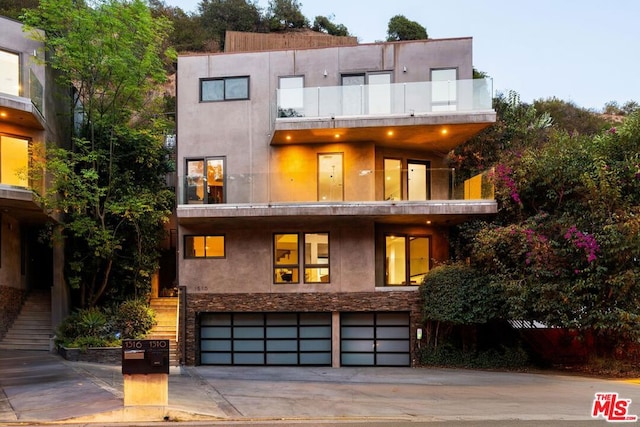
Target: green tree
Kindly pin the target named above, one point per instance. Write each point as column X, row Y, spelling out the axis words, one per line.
column 324, row 24
column 285, row 15
column 567, row 254
column 401, row 28
column 187, row 34
column 218, row 16
column 14, row 8
column 570, row 117
column 108, row 185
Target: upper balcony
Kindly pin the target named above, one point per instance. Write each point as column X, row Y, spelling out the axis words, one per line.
column 397, row 196
column 20, row 104
column 436, row 115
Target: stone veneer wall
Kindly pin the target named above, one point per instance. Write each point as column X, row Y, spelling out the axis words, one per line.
column 296, row 302
column 11, row 300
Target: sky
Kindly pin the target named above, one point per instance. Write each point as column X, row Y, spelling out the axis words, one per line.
column 583, row 51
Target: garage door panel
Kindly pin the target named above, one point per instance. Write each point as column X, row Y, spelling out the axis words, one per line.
column 321, row 359
column 222, row 332
column 282, row 345
column 400, row 332
column 216, row 345
column 392, row 346
column 248, row 332
column 358, row 359
column 375, row 339
column 266, row 339
column 315, row 332
column 315, row 345
column 282, row 359
column 216, row 359
column 393, row 360
column 282, row 332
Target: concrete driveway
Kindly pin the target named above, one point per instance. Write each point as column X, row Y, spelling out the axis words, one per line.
column 41, row 387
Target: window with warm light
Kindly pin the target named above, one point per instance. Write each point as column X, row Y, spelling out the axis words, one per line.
column 9, row 73
column 406, row 259
column 14, row 161
column 316, row 257
column 330, row 177
column 208, row 246
column 285, row 258
column 205, row 181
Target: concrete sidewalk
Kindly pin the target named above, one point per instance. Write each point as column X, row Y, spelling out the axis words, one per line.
column 42, row 387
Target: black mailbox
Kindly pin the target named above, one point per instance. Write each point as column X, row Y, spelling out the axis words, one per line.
column 145, row 356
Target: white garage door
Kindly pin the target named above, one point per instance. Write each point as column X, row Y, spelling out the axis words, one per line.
column 374, row 339
column 265, row 339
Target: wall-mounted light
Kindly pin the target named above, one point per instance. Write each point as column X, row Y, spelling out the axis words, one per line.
column 404, row 69
column 325, row 73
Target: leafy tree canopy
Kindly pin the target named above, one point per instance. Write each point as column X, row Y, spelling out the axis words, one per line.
column 324, row 24
column 285, row 15
column 14, row 8
column 108, row 186
column 218, row 16
column 401, row 28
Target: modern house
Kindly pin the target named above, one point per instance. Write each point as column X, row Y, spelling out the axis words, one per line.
column 313, row 196
column 29, row 120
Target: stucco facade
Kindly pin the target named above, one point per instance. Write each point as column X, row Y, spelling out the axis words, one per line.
column 29, row 120
column 314, row 181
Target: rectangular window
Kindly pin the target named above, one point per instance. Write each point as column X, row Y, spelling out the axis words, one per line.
column 285, row 258
column 205, row 181
column 316, row 257
column 392, row 179
column 291, row 97
column 444, row 89
column 9, row 73
column 204, row 246
column 224, row 89
column 330, row 185
column 406, row 259
column 418, row 174
column 14, row 161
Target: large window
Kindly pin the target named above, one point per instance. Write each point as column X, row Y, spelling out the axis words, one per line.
column 444, row 89
column 205, row 181
column 366, row 93
column 286, row 259
column 204, row 246
column 224, row 89
column 406, row 259
column 9, row 73
column 14, row 161
column 291, row 97
column 330, row 185
column 417, row 180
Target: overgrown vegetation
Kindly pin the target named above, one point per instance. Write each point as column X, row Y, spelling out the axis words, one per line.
column 105, row 326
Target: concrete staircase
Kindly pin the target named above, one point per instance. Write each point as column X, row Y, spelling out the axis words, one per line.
column 32, row 328
column 165, row 329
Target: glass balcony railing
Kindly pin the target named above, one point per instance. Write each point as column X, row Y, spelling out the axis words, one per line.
column 386, row 99
column 353, row 186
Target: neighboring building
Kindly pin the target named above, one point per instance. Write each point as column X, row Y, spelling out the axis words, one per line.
column 29, row 120
column 313, row 196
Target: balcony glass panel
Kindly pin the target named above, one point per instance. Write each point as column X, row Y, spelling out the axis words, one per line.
column 380, row 98
column 360, row 186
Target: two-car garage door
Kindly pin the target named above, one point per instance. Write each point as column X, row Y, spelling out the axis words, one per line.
column 294, row 339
